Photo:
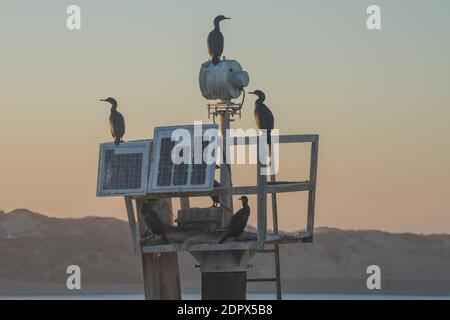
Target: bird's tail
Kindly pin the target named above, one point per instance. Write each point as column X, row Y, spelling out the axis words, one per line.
column 117, row 141
column 223, row 239
column 269, row 140
column 215, row 60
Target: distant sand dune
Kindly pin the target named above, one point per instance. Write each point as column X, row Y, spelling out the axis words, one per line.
column 35, row 250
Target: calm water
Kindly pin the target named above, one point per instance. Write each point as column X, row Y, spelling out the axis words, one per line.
column 249, row 296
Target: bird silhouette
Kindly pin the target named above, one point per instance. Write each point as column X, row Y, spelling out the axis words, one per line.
column 153, row 222
column 116, row 121
column 215, row 199
column 263, row 115
column 238, row 221
column 216, row 41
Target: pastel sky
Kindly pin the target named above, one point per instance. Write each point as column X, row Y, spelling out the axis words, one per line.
column 380, row 100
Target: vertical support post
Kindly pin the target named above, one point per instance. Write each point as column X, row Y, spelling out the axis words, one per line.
column 225, row 174
column 132, row 223
column 161, row 271
column 274, row 208
column 224, row 273
column 277, row 270
column 224, row 285
column 161, row 276
column 313, row 181
column 261, row 196
column 276, row 245
column 184, row 203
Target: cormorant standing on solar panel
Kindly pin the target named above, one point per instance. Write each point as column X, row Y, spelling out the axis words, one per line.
column 153, row 221
column 116, row 122
column 263, row 115
column 215, row 40
column 238, row 221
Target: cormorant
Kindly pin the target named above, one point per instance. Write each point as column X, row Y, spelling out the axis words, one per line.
column 116, row 122
column 153, row 221
column 215, row 199
column 263, row 115
column 215, row 40
column 238, row 221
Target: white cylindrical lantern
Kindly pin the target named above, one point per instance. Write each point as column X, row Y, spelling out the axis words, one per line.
column 223, row 81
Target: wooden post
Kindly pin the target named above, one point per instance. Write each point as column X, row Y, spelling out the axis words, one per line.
column 132, row 223
column 225, row 175
column 161, row 276
column 161, row 272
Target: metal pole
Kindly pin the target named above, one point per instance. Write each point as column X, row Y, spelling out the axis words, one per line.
column 226, row 284
column 261, row 198
column 313, row 180
column 225, row 174
column 276, row 245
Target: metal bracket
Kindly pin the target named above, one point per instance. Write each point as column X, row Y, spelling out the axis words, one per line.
column 226, row 107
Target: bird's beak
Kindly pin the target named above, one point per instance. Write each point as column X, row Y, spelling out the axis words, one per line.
column 102, row 99
column 240, row 198
column 227, row 18
column 252, row 92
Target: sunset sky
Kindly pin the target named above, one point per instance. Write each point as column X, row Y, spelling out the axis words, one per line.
column 380, row 100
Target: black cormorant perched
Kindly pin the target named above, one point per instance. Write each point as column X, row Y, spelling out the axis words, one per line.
column 215, row 40
column 116, row 122
column 215, row 199
column 153, row 221
column 238, row 221
column 263, row 115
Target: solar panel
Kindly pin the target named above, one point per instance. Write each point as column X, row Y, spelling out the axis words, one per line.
column 198, row 175
column 165, row 165
column 123, row 169
column 167, row 176
column 180, row 173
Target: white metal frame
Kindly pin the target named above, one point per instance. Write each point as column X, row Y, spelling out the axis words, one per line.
column 262, row 190
column 141, row 146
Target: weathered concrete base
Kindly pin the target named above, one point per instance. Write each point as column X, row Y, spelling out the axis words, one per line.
column 224, row 273
column 224, row 285
column 223, row 261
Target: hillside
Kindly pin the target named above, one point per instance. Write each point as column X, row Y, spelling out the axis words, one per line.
column 35, row 251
